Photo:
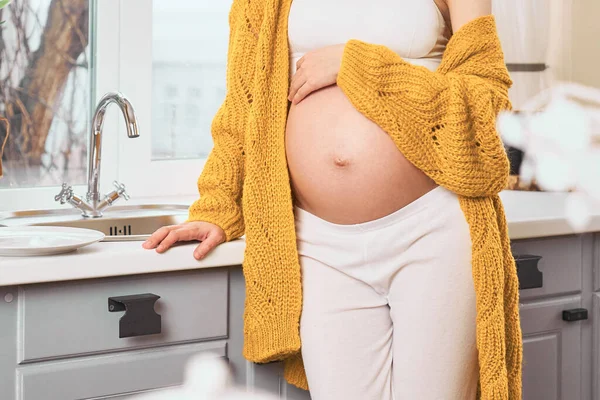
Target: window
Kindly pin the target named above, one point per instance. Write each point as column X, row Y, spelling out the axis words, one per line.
column 172, row 68
column 167, row 58
column 189, row 55
column 45, row 92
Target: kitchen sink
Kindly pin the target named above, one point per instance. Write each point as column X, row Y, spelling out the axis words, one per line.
column 119, row 223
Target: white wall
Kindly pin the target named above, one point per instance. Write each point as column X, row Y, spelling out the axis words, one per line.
column 586, row 42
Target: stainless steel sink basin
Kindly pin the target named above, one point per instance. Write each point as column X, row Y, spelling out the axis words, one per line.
column 119, row 223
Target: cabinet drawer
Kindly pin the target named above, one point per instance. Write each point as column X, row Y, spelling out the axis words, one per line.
column 73, row 318
column 112, row 375
column 551, row 350
column 560, row 265
column 596, row 261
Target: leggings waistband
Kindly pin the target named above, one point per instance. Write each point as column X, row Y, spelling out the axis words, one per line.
column 434, row 197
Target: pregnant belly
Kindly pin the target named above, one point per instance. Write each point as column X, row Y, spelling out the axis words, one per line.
column 343, row 167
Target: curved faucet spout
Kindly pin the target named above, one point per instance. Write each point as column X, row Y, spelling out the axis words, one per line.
column 93, row 194
column 126, row 109
column 93, row 205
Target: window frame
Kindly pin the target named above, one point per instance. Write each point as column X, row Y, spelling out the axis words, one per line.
column 104, row 42
column 159, row 177
column 121, row 54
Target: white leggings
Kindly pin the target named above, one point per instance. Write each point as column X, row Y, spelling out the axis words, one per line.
column 389, row 304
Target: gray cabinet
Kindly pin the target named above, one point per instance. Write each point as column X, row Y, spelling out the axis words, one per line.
column 551, row 350
column 8, row 341
column 108, row 375
column 73, row 318
column 595, row 356
column 556, row 353
column 59, row 341
column 561, row 265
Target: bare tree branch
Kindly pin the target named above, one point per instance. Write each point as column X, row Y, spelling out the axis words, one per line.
column 4, row 140
column 2, row 46
column 37, row 97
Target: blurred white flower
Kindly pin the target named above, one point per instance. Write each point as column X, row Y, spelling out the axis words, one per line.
column 511, row 129
column 207, row 377
column 563, row 125
column 559, row 133
column 589, row 172
column 553, row 172
column 577, row 209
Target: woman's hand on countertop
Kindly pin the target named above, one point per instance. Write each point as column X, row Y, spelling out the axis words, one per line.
column 315, row 70
column 210, row 235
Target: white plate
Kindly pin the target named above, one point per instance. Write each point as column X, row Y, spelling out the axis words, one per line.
column 44, row 240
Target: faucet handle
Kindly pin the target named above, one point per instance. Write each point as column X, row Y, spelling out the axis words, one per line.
column 120, row 188
column 113, row 196
column 65, row 194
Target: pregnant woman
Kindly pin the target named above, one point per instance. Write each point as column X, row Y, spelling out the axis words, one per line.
column 356, row 150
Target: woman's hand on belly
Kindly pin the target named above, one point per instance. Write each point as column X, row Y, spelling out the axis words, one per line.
column 315, row 70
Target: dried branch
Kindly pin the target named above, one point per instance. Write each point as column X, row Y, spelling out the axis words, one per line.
column 2, row 45
column 33, row 90
column 19, row 21
column 7, row 133
column 74, row 25
column 41, row 87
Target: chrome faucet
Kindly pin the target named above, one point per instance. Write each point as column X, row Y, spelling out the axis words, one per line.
column 93, row 206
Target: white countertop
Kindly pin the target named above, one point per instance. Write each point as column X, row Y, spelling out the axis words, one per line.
column 529, row 215
column 537, row 214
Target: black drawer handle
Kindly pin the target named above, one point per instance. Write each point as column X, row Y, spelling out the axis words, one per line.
column 139, row 318
column 576, row 314
column 526, row 67
column 530, row 277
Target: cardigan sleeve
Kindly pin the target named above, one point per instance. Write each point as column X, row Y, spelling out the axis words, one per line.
column 444, row 122
column 221, row 180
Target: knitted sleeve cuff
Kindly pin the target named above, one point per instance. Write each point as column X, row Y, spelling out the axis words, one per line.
column 231, row 221
column 294, row 373
column 364, row 66
column 265, row 343
column 370, row 73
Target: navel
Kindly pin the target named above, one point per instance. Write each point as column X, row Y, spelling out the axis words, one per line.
column 341, row 161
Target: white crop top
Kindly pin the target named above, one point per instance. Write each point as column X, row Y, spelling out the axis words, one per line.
column 414, row 29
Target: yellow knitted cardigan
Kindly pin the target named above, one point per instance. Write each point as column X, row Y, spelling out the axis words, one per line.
column 442, row 121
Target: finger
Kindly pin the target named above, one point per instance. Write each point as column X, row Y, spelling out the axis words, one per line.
column 211, row 241
column 157, row 237
column 304, row 91
column 179, row 235
column 297, row 81
column 299, row 63
column 294, row 85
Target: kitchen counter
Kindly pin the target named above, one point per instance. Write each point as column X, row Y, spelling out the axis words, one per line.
column 529, row 215
column 537, row 214
column 59, row 334
column 113, row 259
